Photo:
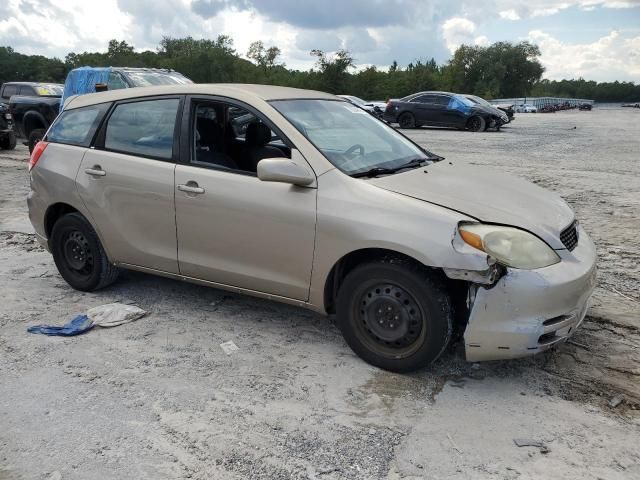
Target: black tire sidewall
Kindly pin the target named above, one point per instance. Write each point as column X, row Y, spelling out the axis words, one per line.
column 410, row 124
column 482, row 121
column 431, row 298
column 63, row 226
column 38, row 133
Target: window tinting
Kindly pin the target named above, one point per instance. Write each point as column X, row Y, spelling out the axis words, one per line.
column 76, row 127
column 441, row 100
column 143, row 128
column 9, row 90
column 422, row 99
column 27, row 90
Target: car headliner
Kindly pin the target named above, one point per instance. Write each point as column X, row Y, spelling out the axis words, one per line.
column 240, row 91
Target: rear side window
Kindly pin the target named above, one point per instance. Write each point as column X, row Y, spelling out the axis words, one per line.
column 9, row 90
column 143, row 128
column 77, row 126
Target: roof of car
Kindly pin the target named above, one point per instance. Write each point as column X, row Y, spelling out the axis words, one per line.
column 234, row 90
column 32, row 84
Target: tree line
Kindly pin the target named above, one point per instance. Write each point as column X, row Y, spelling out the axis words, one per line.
column 501, row 70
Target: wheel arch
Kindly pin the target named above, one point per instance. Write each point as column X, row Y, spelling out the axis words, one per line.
column 458, row 290
column 31, row 121
column 351, row 260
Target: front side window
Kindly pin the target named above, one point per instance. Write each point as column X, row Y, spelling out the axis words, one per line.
column 76, row 126
column 348, row 136
column 144, row 128
column 229, row 137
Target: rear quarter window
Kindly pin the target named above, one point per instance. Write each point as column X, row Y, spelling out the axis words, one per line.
column 143, row 128
column 77, row 126
column 9, row 90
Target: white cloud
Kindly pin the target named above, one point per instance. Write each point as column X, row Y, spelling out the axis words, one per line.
column 509, row 14
column 457, row 31
column 611, row 56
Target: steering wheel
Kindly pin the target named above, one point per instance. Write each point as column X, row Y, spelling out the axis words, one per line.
column 352, row 149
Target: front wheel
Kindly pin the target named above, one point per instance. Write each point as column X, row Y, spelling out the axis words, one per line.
column 79, row 255
column 394, row 315
column 407, row 120
column 34, row 137
column 476, row 124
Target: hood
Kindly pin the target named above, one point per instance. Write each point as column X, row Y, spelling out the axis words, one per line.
column 492, row 110
column 487, row 195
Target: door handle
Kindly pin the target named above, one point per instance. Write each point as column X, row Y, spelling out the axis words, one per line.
column 95, row 171
column 191, row 187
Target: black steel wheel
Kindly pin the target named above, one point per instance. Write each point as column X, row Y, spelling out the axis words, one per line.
column 79, row 255
column 394, row 314
column 407, row 120
column 476, row 124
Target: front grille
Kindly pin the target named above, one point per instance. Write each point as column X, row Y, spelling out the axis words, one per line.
column 569, row 236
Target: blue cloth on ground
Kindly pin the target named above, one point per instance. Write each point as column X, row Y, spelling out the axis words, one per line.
column 83, row 80
column 78, row 325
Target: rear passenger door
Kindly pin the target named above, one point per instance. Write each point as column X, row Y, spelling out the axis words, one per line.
column 126, row 182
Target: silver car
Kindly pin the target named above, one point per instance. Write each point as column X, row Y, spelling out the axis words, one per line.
column 300, row 197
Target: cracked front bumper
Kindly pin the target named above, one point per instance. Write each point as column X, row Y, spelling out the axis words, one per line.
column 529, row 311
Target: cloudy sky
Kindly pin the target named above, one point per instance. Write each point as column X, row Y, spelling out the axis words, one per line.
column 595, row 39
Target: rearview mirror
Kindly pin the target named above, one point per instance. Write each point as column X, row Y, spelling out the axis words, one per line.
column 283, row 170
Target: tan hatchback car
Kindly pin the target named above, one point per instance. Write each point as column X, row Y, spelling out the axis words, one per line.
column 301, row 197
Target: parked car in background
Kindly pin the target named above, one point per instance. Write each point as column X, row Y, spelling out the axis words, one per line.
column 481, row 101
column 526, row 108
column 374, row 108
column 442, row 109
column 290, row 209
column 34, row 106
column 585, row 106
column 7, row 135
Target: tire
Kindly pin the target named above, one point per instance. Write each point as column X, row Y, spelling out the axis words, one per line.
column 8, row 142
column 374, row 295
column 79, row 255
column 34, row 137
column 407, row 120
column 476, row 124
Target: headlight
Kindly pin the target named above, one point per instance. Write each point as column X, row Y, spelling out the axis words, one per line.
column 510, row 246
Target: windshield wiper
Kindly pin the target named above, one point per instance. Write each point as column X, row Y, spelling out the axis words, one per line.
column 375, row 171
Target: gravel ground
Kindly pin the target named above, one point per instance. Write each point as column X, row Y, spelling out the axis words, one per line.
column 159, row 398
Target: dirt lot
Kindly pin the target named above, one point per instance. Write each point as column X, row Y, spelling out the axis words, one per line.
column 160, row 399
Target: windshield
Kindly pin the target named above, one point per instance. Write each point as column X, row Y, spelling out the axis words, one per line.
column 49, row 89
column 147, row 78
column 464, row 100
column 479, row 100
column 349, row 137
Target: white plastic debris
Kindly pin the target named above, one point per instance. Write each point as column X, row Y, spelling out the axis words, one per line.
column 114, row 314
column 229, row 347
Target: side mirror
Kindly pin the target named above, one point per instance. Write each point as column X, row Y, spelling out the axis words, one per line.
column 283, row 170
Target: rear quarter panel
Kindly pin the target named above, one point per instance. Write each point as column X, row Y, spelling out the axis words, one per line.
column 53, row 181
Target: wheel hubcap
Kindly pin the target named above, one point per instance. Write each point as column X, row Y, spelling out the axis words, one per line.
column 77, row 253
column 390, row 317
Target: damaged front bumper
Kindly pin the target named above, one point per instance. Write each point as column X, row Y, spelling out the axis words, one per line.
column 529, row 311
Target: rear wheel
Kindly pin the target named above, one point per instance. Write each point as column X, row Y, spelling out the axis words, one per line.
column 476, row 124
column 8, row 142
column 394, row 315
column 407, row 120
column 79, row 255
column 34, row 137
